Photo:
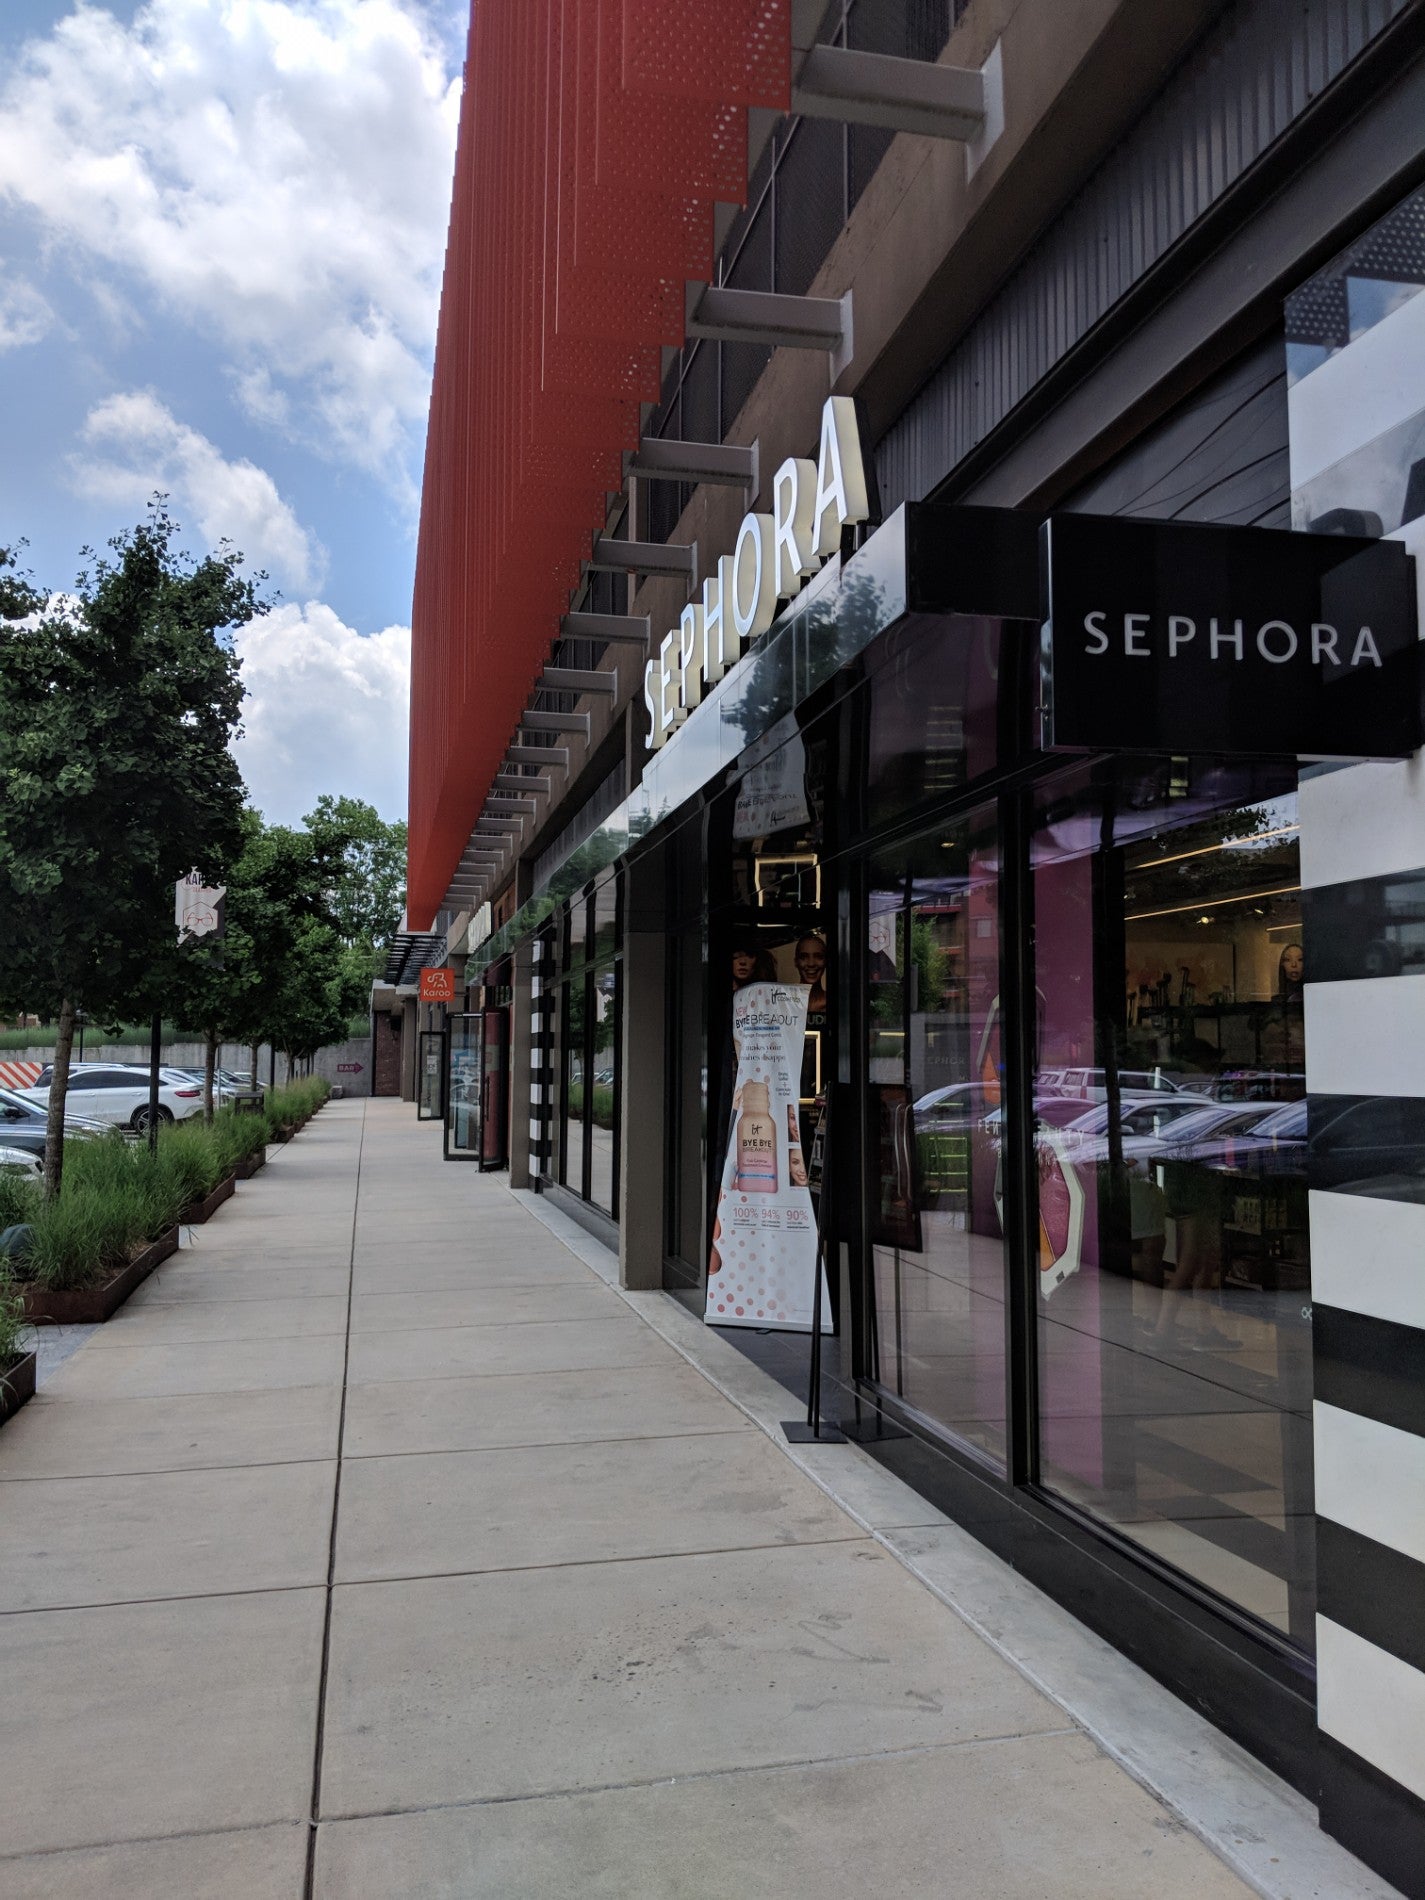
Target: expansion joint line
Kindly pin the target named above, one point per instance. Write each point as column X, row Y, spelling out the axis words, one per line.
column 309, row 1884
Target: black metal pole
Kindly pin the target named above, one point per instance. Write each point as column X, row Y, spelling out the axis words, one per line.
column 154, row 1049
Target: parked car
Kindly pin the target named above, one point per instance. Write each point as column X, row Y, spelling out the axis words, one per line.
column 20, row 1161
column 24, row 1123
column 118, row 1093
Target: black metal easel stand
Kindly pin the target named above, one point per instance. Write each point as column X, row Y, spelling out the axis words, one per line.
column 811, row 1431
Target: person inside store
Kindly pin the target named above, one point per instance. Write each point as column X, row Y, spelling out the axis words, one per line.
column 1284, row 1032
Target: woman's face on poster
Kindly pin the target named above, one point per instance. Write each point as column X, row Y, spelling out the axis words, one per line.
column 743, row 963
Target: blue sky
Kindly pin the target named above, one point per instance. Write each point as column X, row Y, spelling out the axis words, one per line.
column 221, row 231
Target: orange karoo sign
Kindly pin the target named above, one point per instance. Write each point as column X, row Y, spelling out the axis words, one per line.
column 438, row 986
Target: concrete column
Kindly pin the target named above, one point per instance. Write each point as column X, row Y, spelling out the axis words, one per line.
column 644, row 1107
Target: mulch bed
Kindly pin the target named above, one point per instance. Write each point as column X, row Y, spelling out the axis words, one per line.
column 87, row 1306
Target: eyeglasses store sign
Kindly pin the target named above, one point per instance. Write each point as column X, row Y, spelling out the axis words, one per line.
column 773, row 558
column 1174, row 637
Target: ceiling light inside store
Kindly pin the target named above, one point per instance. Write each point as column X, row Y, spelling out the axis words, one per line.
column 1228, row 844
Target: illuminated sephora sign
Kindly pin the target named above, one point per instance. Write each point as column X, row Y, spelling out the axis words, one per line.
column 1170, row 636
column 773, row 558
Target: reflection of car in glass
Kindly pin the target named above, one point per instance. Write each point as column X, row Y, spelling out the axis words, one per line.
column 955, row 1106
column 1091, row 1085
column 1256, row 1085
column 1379, row 1137
column 1273, row 1144
column 1144, row 1128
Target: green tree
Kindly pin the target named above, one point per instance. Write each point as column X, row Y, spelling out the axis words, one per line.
column 117, row 705
column 369, row 898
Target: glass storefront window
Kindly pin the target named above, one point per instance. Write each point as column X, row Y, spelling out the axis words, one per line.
column 584, row 1065
column 934, row 1073
column 1174, row 1333
column 603, row 1131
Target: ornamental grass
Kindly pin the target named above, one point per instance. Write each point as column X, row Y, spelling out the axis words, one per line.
column 117, row 1197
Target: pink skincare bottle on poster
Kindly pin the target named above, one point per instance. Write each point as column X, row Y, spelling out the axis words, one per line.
column 756, row 1143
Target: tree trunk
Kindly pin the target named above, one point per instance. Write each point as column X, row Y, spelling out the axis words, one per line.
column 256, row 1051
column 58, row 1090
column 210, row 1063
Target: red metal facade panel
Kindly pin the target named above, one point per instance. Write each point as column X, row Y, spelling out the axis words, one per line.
column 595, row 138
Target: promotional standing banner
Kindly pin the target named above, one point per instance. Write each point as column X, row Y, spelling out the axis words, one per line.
column 762, row 1268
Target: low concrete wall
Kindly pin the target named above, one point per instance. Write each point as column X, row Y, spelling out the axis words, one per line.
column 346, row 1065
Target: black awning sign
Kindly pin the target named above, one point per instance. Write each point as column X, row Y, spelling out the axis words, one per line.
column 1175, row 637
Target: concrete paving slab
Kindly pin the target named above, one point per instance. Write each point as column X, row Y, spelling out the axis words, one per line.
column 632, row 1497
column 536, row 1409
column 440, row 1272
column 126, row 1723
column 71, row 1541
column 1002, row 1821
column 146, row 1372
column 200, row 1322
column 480, row 1305
column 261, row 1863
column 80, row 1440
column 185, row 1285
column 550, row 1346
column 470, row 1688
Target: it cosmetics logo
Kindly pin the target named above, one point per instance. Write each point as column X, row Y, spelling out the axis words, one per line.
column 1278, row 642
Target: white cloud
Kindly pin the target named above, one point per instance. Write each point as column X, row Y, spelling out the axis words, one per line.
column 276, row 172
column 135, row 445
column 24, row 315
column 326, row 712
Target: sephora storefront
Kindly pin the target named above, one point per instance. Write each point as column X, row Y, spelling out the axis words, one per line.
column 953, row 797
column 978, row 887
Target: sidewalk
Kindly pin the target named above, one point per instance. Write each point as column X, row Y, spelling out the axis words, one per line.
column 378, row 1506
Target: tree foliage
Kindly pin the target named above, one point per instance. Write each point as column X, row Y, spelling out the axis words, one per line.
column 118, row 703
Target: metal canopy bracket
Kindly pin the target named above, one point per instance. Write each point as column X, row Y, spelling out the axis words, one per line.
column 899, row 95
column 556, row 722
column 772, row 317
column 612, row 556
column 575, row 679
column 725, row 464
column 628, row 629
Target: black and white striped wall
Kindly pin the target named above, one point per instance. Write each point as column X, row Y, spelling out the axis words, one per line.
column 543, row 995
column 1363, row 875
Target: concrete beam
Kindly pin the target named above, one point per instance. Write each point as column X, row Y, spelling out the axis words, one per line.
column 768, row 316
column 556, row 722
column 612, row 556
column 577, row 679
column 518, row 754
column 899, row 95
column 725, row 464
column 624, row 629
column 521, row 782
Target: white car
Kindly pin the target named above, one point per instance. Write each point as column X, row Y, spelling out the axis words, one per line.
column 20, row 1161
column 117, row 1093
